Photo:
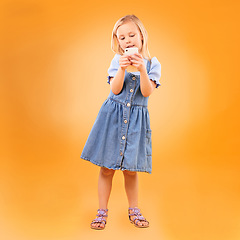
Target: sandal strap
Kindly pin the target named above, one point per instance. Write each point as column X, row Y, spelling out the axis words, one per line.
column 134, row 209
column 102, row 209
column 138, row 216
column 141, row 218
column 102, row 212
column 135, row 212
column 99, row 220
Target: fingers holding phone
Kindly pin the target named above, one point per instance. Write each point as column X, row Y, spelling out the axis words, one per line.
column 132, row 53
column 124, row 61
column 137, row 61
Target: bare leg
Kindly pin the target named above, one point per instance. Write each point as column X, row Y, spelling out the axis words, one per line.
column 104, row 186
column 104, row 189
column 131, row 187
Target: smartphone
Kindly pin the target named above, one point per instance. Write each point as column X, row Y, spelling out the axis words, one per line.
column 130, row 51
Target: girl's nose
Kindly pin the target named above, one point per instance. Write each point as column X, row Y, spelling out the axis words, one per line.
column 127, row 40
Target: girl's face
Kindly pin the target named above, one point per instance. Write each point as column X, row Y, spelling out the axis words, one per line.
column 128, row 35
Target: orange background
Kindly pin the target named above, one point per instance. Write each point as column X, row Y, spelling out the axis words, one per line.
column 54, row 61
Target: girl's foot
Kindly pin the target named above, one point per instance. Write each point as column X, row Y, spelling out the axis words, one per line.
column 100, row 222
column 136, row 218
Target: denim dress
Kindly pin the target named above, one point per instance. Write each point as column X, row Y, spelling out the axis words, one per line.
column 121, row 135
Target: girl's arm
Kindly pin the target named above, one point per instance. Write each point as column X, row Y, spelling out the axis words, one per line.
column 116, row 83
column 146, row 85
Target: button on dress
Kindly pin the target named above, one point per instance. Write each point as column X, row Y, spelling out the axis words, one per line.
column 121, row 135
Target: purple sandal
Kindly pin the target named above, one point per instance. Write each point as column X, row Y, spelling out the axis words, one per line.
column 100, row 219
column 138, row 217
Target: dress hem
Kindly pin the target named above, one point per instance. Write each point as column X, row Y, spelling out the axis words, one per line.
column 115, row 168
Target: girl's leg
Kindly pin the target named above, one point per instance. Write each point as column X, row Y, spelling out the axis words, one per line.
column 131, row 187
column 104, row 189
column 104, row 186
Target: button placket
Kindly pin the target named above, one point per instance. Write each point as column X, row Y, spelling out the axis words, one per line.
column 123, row 136
column 126, row 116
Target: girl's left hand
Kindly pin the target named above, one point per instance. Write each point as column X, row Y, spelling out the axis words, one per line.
column 137, row 61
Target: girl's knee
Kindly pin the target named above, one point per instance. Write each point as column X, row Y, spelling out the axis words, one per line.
column 107, row 172
column 129, row 173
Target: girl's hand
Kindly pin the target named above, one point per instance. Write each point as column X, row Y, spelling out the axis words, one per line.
column 137, row 61
column 124, row 61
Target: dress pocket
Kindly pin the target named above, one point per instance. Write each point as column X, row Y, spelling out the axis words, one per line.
column 149, row 142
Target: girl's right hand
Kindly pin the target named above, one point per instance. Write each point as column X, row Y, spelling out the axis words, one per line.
column 124, row 61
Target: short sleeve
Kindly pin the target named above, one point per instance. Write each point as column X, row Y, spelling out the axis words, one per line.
column 155, row 71
column 113, row 67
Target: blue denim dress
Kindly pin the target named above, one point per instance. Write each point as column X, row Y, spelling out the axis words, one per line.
column 121, row 135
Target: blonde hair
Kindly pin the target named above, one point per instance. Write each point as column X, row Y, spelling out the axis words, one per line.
column 114, row 41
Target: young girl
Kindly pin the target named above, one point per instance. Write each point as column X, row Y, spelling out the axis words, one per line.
column 121, row 135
